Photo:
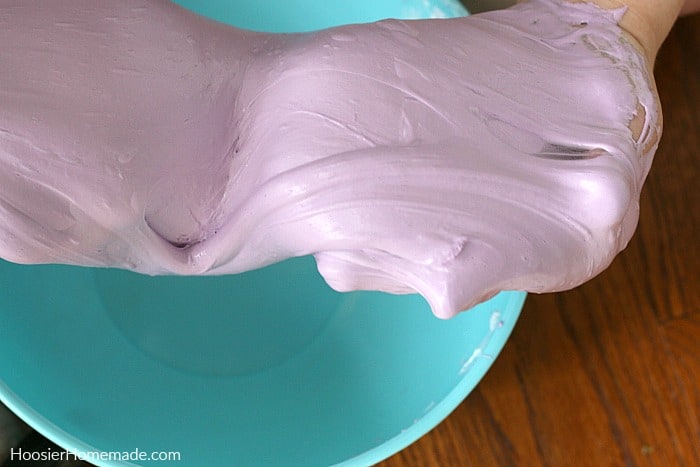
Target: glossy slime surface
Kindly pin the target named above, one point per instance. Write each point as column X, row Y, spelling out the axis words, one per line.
column 453, row 157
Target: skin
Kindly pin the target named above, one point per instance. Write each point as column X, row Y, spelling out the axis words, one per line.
column 691, row 7
column 649, row 21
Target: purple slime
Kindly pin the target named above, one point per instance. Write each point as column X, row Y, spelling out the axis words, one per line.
column 453, row 157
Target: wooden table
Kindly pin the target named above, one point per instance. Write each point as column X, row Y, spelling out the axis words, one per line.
column 607, row 374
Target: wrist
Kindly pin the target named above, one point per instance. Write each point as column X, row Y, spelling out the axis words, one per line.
column 690, row 7
column 648, row 22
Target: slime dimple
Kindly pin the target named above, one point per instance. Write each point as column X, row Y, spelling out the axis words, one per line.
column 453, row 157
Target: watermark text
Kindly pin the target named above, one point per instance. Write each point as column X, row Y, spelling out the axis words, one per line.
column 93, row 457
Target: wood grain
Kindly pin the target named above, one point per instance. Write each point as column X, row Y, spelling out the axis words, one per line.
column 607, row 374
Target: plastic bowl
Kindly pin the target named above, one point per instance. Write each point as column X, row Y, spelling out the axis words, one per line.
column 269, row 367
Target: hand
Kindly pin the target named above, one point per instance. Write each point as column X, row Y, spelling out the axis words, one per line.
column 455, row 158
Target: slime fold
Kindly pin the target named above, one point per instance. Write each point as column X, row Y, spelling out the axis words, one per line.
column 450, row 157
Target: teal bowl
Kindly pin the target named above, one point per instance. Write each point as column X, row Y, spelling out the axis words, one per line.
column 270, row 367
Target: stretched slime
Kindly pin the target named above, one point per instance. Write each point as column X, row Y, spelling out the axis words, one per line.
column 450, row 157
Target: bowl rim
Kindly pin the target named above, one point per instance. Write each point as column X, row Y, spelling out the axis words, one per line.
column 502, row 323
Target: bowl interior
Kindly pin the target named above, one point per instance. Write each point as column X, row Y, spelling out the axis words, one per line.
column 309, row 15
column 108, row 360
column 270, row 367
